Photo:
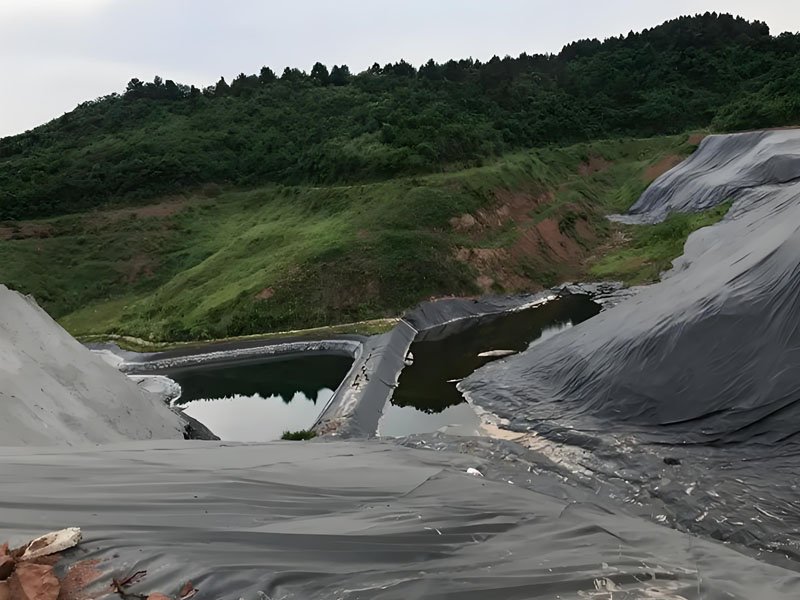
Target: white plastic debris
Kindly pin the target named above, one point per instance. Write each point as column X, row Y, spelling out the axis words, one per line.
column 51, row 543
column 496, row 353
column 474, row 472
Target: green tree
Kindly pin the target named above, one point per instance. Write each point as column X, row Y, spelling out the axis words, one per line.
column 431, row 71
column 290, row 74
column 340, row 75
column 222, row 88
column 267, row 75
column 134, row 88
column 244, row 84
column 161, row 137
column 401, row 69
column 319, row 74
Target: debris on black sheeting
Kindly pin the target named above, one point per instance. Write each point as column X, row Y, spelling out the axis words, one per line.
column 119, row 585
column 187, row 591
column 121, row 588
column 496, row 353
column 387, row 521
column 56, row 541
column 24, row 577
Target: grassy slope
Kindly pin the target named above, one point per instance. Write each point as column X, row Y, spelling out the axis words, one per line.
column 277, row 258
column 647, row 251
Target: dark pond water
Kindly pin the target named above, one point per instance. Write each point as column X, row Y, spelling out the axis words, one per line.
column 426, row 398
column 258, row 399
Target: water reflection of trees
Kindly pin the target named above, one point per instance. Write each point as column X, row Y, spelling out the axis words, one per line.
column 285, row 378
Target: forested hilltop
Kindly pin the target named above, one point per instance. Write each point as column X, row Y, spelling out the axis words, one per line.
column 331, row 125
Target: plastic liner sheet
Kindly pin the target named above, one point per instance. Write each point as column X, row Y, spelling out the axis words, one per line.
column 53, row 391
column 436, row 313
column 702, row 366
column 722, row 166
column 357, row 404
column 350, row 520
column 220, row 353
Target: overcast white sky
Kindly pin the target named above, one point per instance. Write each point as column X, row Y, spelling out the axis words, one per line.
column 57, row 53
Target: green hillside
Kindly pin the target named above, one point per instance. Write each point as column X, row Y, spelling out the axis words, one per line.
column 284, row 257
column 273, row 203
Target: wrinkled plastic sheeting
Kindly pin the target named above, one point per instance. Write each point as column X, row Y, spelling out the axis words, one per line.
column 436, row 313
column 53, row 391
column 706, row 357
column 232, row 351
column 356, row 520
column 721, row 168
